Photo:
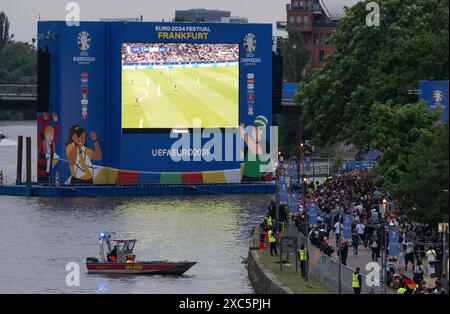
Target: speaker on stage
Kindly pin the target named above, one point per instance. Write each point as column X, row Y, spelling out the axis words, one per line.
column 43, row 80
column 277, row 82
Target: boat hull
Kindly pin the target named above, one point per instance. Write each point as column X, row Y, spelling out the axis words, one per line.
column 144, row 268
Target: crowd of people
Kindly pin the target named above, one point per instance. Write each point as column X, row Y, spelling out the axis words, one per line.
column 350, row 192
column 170, row 53
column 354, row 192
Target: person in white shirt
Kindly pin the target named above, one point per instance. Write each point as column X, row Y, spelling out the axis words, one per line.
column 337, row 232
column 374, row 216
column 409, row 254
column 359, row 208
column 360, row 228
column 431, row 257
column 393, row 223
column 418, row 272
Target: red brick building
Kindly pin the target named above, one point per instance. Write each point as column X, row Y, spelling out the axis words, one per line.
column 316, row 20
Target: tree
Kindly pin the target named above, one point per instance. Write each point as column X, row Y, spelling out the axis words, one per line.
column 287, row 132
column 423, row 188
column 414, row 163
column 295, row 56
column 375, row 65
column 17, row 59
column 18, row 63
column 17, row 66
column 4, row 30
column 394, row 130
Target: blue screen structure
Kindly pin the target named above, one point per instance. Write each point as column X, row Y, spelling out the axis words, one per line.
column 126, row 99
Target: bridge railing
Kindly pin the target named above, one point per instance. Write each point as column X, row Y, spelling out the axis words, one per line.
column 17, row 90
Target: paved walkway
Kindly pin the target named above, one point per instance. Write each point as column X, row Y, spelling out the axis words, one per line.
column 365, row 256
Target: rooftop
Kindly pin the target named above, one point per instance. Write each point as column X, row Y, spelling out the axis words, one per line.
column 335, row 9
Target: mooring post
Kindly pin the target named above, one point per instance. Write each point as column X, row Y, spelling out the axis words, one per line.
column 28, row 160
column 19, row 159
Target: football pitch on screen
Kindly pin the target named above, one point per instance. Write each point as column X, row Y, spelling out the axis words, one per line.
column 171, row 98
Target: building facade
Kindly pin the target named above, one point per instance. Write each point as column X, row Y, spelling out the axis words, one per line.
column 316, row 20
column 234, row 19
column 201, row 15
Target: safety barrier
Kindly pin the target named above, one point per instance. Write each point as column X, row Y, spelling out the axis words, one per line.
column 18, row 90
column 326, row 270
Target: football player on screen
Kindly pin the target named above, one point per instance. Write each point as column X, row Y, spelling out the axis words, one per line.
column 136, row 105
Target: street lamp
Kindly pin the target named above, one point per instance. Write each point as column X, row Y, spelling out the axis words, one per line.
column 306, row 228
column 300, row 148
column 280, row 157
column 277, row 193
column 294, row 47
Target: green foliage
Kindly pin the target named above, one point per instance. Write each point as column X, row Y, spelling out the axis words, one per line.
column 336, row 166
column 375, row 64
column 17, row 66
column 4, row 30
column 424, row 184
column 10, row 115
column 295, row 56
column 326, row 153
column 288, row 132
column 393, row 131
column 414, row 163
column 360, row 97
column 17, row 63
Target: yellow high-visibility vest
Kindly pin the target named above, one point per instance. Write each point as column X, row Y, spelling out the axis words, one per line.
column 302, row 254
column 401, row 290
column 269, row 221
column 355, row 281
column 271, row 237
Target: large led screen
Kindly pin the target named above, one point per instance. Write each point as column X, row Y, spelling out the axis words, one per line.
column 179, row 85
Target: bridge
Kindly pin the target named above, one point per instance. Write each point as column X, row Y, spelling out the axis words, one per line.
column 18, row 97
column 23, row 97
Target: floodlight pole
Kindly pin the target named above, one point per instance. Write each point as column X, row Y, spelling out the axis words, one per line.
column 277, row 205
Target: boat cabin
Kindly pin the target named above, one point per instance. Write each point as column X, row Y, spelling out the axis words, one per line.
column 116, row 250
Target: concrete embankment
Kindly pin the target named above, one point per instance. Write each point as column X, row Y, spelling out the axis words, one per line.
column 263, row 281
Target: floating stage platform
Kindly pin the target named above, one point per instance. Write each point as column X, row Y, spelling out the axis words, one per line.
column 110, row 190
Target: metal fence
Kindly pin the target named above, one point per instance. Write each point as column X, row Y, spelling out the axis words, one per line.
column 18, row 90
column 326, row 270
column 315, row 169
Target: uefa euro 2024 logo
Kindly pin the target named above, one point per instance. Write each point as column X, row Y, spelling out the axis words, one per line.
column 249, row 42
column 437, row 96
column 84, row 41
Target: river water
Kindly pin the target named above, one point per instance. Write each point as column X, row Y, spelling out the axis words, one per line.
column 39, row 236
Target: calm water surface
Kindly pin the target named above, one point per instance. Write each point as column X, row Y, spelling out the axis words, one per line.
column 39, row 236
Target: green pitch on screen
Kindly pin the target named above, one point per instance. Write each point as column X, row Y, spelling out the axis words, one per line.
column 171, row 98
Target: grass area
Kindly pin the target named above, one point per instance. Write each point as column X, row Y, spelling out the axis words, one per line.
column 289, row 277
column 166, row 98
